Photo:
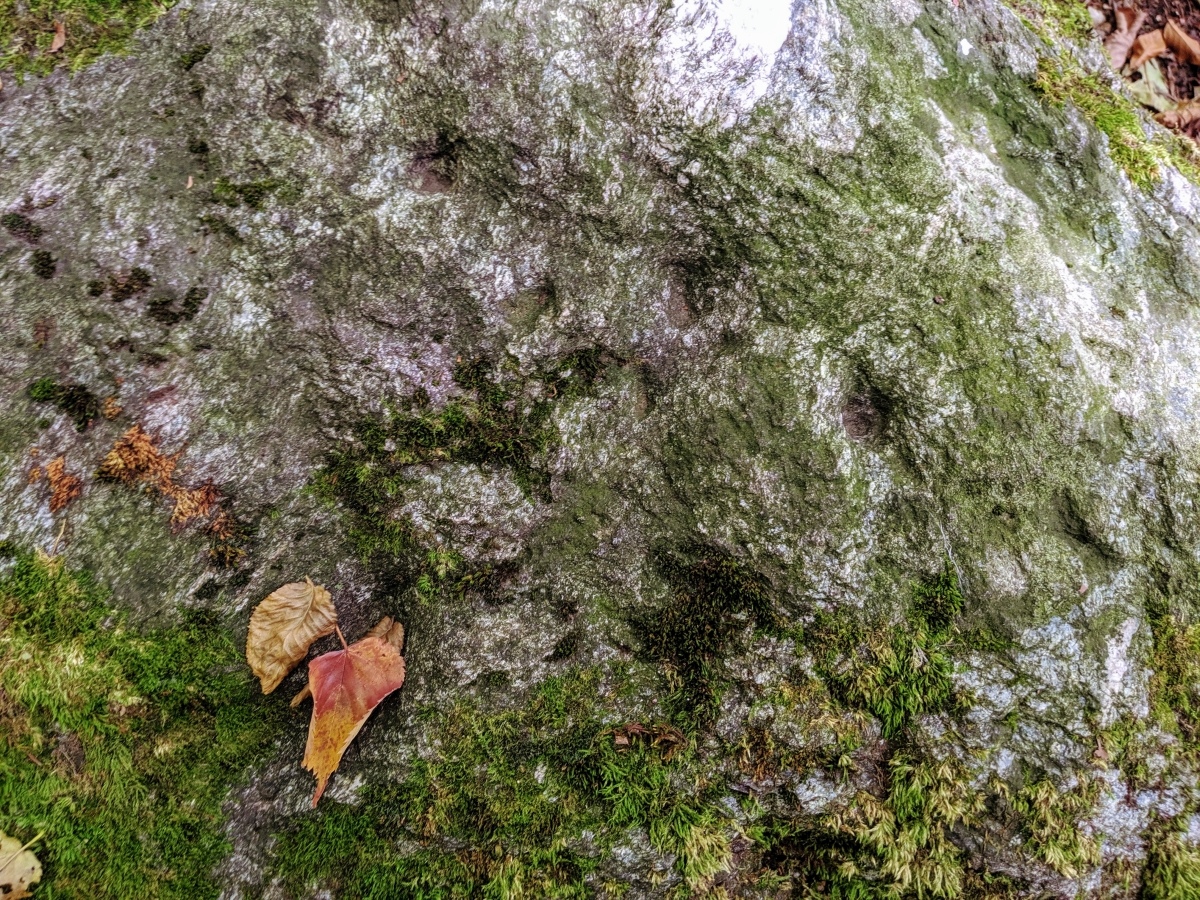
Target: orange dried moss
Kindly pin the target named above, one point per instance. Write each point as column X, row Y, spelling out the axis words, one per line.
column 192, row 503
column 64, row 486
column 136, row 459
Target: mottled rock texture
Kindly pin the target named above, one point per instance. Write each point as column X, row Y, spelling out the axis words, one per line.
column 843, row 440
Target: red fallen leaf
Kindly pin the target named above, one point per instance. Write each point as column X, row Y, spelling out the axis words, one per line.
column 346, row 686
column 60, row 37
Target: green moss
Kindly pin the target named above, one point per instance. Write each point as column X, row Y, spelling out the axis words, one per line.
column 895, row 674
column 171, row 311
column 118, row 746
column 43, row 264
column 1062, row 79
column 1050, row 817
column 1172, row 870
column 123, row 287
column 252, row 193
column 75, row 400
column 898, row 843
column 890, row 847
column 501, row 420
column 713, row 598
column 194, row 57
column 222, row 226
column 502, row 806
column 92, row 28
column 21, row 226
column 1175, row 682
column 936, row 602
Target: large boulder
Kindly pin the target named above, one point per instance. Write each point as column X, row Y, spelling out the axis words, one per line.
column 812, row 387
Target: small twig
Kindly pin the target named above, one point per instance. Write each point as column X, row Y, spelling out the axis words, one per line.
column 61, row 532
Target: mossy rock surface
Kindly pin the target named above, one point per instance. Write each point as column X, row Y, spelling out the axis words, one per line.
column 788, row 476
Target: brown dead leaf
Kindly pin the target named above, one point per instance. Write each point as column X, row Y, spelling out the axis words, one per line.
column 64, row 486
column 60, row 37
column 1147, row 47
column 1120, row 42
column 1185, row 47
column 1177, row 118
column 667, row 739
column 389, row 631
column 19, row 868
column 283, row 627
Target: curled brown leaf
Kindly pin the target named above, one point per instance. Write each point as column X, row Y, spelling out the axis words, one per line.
column 60, row 37
column 1178, row 118
column 1147, row 47
column 283, row 627
column 1120, row 42
column 1185, row 47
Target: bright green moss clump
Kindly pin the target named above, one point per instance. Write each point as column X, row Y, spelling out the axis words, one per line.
column 896, row 674
column 1109, row 112
column 118, row 746
column 92, row 28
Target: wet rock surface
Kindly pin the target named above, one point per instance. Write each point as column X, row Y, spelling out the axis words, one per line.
column 532, row 326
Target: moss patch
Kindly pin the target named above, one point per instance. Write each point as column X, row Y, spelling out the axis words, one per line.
column 75, row 400
column 499, row 420
column 895, row 674
column 1061, row 79
column 713, row 598
column 21, row 226
column 119, row 746
column 92, row 28
column 522, row 802
column 43, row 264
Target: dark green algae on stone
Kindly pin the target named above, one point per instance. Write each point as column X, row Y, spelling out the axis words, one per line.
column 657, row 419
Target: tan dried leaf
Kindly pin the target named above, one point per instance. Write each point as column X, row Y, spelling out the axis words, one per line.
column 1120, row 42
column 19, row 868
column 389, row 631
column 60, row 37
column 1147, row 47
column 1185, row 47
column 1177, row 118
column 283, row 627
column 111, row 408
